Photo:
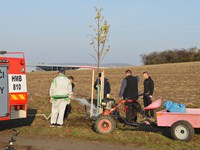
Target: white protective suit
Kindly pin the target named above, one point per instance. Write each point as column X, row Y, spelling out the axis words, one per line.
column 60, row 92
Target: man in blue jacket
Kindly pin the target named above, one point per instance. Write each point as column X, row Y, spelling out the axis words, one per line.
column 106, row 85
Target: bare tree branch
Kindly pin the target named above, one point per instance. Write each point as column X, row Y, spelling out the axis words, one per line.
column 93, row 57
column 105, row 53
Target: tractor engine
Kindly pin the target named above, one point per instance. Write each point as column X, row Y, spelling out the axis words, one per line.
column 108, row 103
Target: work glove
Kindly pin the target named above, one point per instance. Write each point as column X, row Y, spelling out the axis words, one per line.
column 150, row 97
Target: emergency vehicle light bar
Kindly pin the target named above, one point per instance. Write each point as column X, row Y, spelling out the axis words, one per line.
column 12, row 53
column 4, row 61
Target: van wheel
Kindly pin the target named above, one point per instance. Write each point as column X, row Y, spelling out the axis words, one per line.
column 182, row 131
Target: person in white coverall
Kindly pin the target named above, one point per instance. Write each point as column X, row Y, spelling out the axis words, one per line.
column 60, row 92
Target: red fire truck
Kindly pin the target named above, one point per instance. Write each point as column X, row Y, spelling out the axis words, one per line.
column 13, row 88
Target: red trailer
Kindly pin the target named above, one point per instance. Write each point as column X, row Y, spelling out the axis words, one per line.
column 13, row 88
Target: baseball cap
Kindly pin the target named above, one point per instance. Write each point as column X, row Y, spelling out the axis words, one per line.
column 62, row 71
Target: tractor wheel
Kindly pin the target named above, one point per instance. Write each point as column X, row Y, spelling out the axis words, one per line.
column 182, row 131
column 104, row 125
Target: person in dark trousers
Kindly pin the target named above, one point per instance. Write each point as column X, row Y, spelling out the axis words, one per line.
column 68, row 108
column 148, row 93
column 129, row 90
column 107, row 88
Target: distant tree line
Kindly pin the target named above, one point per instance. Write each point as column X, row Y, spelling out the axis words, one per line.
column 171, row 56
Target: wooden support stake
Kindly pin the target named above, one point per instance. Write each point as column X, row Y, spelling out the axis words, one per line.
column 102, row 81
column 102, row 90
column 92, row 95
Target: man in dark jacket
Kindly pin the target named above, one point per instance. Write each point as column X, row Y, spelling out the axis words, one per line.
column 148, row 93
column 129, row 90
column 106, row 85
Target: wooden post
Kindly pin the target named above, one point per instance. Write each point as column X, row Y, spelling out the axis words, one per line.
column 102, row 84
column 102, row 90
column 92, row 95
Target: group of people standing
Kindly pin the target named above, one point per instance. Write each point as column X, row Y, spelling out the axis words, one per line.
column 62, row 89
column 129, row 91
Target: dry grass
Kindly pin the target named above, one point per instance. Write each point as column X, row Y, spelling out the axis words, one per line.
column 178, row 82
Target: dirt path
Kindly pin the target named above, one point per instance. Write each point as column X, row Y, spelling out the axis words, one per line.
column 51, row 143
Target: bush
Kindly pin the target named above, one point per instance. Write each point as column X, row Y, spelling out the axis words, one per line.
column 171, row 56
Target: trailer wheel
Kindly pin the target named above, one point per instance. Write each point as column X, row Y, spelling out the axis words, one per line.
column 182, row 130
column 104, row 125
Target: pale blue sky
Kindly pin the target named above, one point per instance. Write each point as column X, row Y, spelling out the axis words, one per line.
column 54, row 31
